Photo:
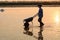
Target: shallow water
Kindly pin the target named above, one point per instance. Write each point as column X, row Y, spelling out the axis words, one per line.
column 11, row 23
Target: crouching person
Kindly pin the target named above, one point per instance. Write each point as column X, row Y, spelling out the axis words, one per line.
column 26, row 26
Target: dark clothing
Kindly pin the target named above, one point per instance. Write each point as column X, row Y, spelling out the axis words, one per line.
column 40, row 13
column 40, row 20
column 26, row 26
column 28, row 19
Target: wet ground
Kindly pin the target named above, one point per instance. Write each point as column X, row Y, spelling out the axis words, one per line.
column 50, row 32
column 11, row 24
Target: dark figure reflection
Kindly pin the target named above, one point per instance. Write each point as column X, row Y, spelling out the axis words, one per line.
column 40, row 35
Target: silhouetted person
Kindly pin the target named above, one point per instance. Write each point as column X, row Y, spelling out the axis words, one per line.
column 40, row 16
column 26, row 26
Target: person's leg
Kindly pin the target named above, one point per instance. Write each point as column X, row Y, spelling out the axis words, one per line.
column 41, row 24
column 40, row 21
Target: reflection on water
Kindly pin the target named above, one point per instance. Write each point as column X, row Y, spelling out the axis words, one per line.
column 40, row 36
column 11, row 23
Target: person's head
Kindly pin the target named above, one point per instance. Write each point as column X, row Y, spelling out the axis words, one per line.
column 39, row 6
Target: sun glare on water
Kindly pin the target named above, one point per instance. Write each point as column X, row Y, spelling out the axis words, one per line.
column 57, row 17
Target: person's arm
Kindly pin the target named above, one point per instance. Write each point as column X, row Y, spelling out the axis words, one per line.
column 35, row 15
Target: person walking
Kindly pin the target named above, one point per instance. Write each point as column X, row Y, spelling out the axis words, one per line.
column 40, row 16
